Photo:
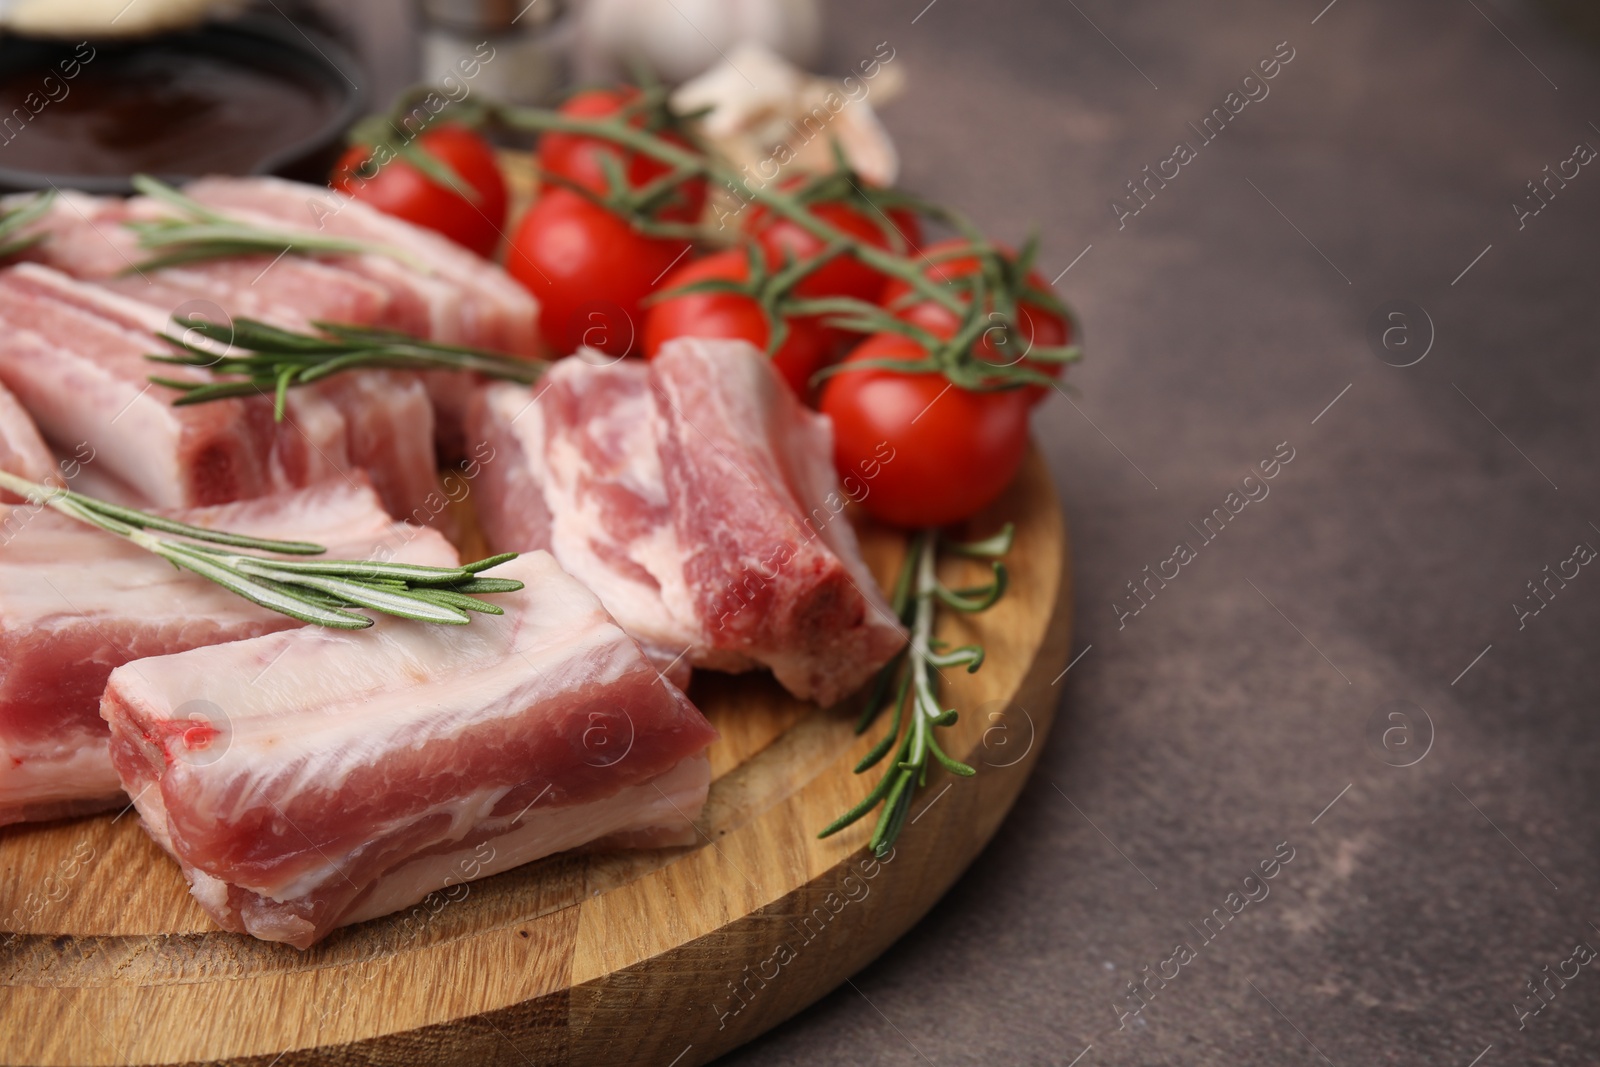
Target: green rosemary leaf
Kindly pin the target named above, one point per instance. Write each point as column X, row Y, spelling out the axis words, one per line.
column 477, row 586
column 990, row 547
column 917, row 592
column 881, row 749
column 200, row 233
column 871, row 801
column 895, row 809
column 372, row 570
column 267, row 594
column 270, row 361
column 874, row 704
column 144, row 520
column 954, row 766
column 319, row 592
column 978, row 598
column 360, row 594
column 488, row 562
column 17, row 218
column 450, row 599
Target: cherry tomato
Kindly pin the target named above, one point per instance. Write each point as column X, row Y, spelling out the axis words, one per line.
column 927, row 452
column 1036, row 325
column 400, row 189
column 802, row 354
column 844, row 275
column 589, row 269
column 578, row 158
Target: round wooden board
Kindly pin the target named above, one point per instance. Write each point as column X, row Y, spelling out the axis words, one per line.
column 666, row 957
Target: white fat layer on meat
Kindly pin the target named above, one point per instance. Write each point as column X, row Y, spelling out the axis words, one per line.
column 73, row 767
column 55, row 570
column 69, row 586
column 482, row 292
column 323, row 428
column 666, row 802
column 576, row 523
column 75, row 399
column 22, row 451
column 423, row 682
column 466, row 812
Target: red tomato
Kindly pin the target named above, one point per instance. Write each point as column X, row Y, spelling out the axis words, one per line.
column 589, row 269
column 928, row 453
column 844, row 275
column 578, row 158
column 1036, row 325
column 400, row 189
column 735, row 315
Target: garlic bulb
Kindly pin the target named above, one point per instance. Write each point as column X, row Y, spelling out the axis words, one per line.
column 678, row 39
column 768, row 116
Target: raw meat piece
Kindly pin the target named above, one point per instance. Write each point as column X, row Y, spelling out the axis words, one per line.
column 307, row 447
column 577, row 473
column 492, row 310
column 89, row 241
column 465, row 300
column 375, row 767
column 75, row 354
column 449, row 295
column 84, row 379
column 697, row 498
column 771, row 568
column 76, row 602
column 22, row 450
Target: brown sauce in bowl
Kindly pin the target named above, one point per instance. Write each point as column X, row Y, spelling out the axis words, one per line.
column 162, row 107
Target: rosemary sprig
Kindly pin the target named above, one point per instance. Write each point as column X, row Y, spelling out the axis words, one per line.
column 910, row 677
column 277, row 360
column 18, row 217
column 313, row 591
column 1002, row 276
column 200, row 234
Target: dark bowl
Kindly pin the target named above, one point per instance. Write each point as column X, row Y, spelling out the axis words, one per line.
column 254, row 49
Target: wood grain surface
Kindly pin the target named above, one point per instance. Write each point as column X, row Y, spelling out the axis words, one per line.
column 664, row 957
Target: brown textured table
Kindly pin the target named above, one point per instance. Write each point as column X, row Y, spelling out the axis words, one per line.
column 1382, row 565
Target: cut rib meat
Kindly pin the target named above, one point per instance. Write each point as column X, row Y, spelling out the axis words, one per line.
column 378, row 763
column 577, row 473
column 469, row 301
column 771, row 569
column 22, row 450
column 461, row 299
column 75, row 354
column 87, row 239
column 697, row 498
column 84, row 379
column 76, row 602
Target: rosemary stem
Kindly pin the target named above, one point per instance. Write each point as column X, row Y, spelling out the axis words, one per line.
column 320, row 592
column 690, row 165
column 925, row 700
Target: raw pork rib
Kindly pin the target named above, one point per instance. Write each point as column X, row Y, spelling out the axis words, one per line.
column 464, row 300
column 76, row 602
column 22, row 450
column 75, row 356
column 87, row 239
column 697, row 498
column 369, row 769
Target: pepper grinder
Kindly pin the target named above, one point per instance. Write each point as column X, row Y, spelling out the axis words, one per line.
column 514, row 51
